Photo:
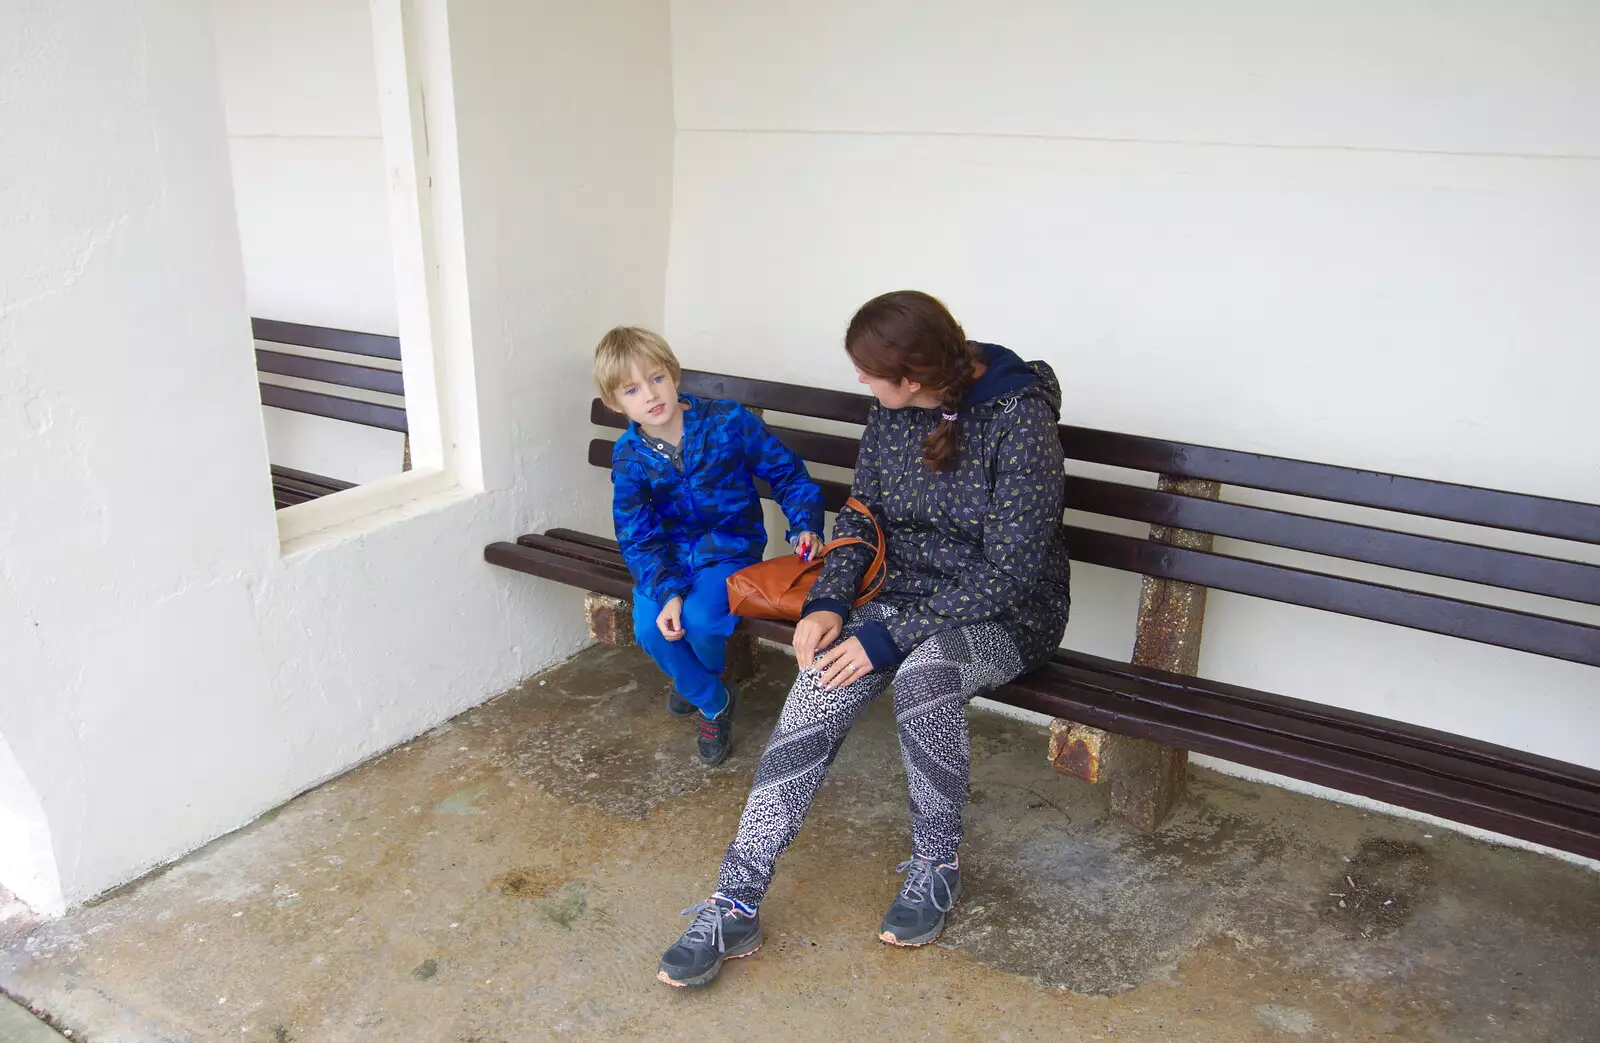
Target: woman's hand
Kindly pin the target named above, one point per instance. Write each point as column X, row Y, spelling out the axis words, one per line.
column 843, row 663
column 818, row 630
column 807, row 544
column 670, row 620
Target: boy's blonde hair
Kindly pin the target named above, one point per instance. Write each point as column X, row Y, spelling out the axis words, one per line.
column 624, row 349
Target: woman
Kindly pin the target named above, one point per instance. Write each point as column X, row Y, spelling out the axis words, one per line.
column 961, row 464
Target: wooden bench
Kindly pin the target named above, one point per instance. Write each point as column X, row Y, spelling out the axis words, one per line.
column 1130, row 723
column 290, row 486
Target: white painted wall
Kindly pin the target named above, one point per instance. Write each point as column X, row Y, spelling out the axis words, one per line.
column 171, row 672
column 27, row 861
column 1362, row 233
column 300, row 97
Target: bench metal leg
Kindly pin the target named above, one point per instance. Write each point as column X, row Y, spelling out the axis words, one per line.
column 1147, row 779
column 610, row 621
column 742, row 663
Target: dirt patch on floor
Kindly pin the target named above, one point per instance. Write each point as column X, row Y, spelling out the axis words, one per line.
column 609, row 744
column 1380, row 888
column 525, row 882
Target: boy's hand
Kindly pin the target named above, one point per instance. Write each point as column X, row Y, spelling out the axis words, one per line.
column 807, row 545
column 818, row 630
column 670, row 621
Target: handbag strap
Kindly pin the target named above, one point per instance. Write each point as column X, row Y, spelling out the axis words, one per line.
column 872, row 581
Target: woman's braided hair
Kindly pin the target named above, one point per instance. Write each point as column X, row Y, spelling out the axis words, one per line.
column 910, row 335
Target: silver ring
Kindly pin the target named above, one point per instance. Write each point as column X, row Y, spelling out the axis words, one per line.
column 849, row 666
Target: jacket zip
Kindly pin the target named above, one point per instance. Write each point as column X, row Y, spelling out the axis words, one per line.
column 919, row 481
column 688, row 490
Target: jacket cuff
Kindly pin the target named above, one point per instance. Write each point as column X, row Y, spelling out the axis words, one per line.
column 662, row 595
column 826, row 605
column 879, row 646
column 809, row 520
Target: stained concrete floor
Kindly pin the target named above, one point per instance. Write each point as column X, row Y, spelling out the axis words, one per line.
column 513, row 875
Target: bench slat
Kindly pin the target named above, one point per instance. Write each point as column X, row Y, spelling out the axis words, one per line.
column 1435, row 556
column 1086, row 700
column 583, row 539
column 537, row 561
column 1575, row 784
column 1380, row 740
column 335, row 407
column 1517, row 512
column 344, row 374
column 291, row 487
column 322, row 481
column 783, row 398
column 304, row 490
column 1508, row 628
column 373, row 345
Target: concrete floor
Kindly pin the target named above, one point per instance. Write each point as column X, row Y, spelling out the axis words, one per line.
column 515, row 874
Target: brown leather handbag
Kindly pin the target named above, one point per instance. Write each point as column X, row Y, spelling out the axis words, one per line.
column 777, row 588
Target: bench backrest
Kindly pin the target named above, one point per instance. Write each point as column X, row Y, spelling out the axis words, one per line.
column 1569, row 581
column 351, row 374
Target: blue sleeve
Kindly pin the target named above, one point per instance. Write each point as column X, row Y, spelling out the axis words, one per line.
column 646, row 548
column 776, row 464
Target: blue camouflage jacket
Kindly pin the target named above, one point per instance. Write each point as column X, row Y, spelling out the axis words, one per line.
column 671, row 525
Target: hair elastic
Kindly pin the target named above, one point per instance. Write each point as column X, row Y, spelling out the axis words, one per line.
column 952, row 417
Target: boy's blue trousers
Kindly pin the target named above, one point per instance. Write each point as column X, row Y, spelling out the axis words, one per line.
column 695, row 662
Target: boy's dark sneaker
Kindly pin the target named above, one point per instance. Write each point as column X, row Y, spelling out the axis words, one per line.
column 720, row 931
column 678, row 706
column 917, row 915
column 716, row 734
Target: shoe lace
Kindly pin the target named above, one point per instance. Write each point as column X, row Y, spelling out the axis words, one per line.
column 707, row 923
column 923, row 883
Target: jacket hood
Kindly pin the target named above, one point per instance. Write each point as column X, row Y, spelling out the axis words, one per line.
column 1007, row 376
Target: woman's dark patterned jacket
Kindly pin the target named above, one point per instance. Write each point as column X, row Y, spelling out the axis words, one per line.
column 982, row 541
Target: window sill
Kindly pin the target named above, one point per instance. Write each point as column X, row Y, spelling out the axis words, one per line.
column 365, row 508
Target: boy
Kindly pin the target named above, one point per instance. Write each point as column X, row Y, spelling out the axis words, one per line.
column 688, row 515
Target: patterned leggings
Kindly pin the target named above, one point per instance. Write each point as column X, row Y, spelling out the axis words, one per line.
column 931, row 690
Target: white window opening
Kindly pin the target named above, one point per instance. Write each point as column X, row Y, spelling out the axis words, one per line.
column 323, row 104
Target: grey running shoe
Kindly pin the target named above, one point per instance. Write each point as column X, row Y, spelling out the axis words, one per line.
column 917, row 915
column 678, row 706
column 720, row 931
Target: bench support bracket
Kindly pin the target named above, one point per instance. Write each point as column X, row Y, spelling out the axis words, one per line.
column 610, row 619
column 1146, row 778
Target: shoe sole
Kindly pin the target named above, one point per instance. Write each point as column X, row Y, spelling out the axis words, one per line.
column 700, row 981
column 925, row 939
column 713, row 763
